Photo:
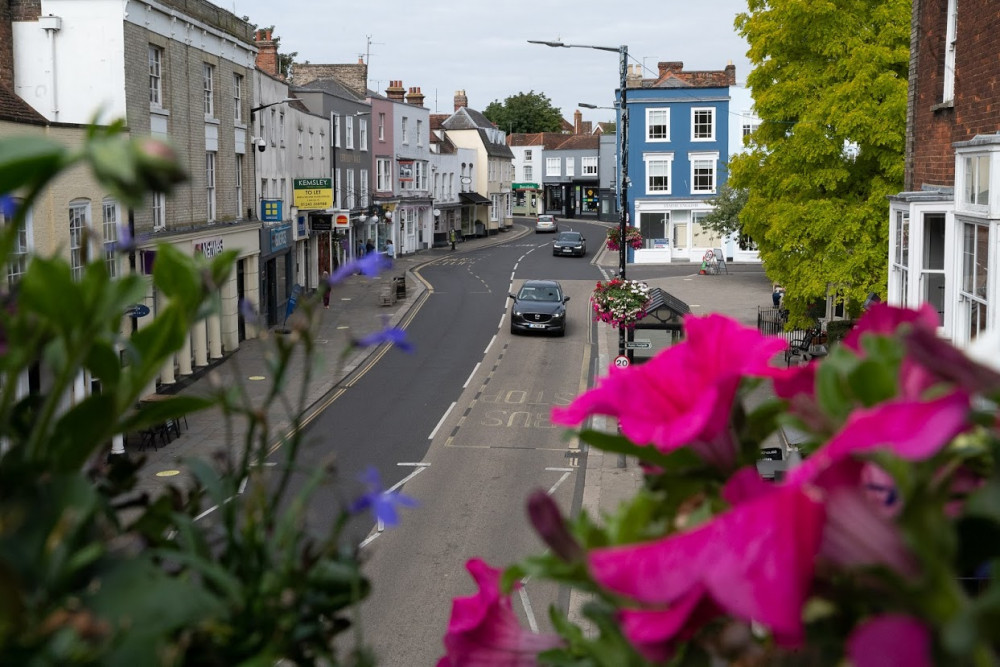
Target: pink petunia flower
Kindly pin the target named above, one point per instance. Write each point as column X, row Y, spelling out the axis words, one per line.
column 683, row 396
column 890, row 640
column 484, row 630
column 756, row 560
column 883, row 320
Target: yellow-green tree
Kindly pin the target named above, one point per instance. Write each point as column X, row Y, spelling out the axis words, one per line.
column 829, row 85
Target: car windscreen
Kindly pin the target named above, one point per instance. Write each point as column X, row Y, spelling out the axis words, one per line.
column 539, row 294
column 569, row 238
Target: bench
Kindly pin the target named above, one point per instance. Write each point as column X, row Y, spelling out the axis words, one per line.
column 810, row 346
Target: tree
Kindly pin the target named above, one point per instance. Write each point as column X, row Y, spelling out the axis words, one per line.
column 525, row 113
column 829, row 85
column 725, row 218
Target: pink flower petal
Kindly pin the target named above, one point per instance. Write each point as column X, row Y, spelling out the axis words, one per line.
column 890, row 640
column 755, row 561
column 912, row 430
column 687, row 390
column 484, row 630
column 655, row 633
column 883, row 320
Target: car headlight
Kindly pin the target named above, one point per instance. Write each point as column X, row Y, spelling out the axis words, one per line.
column 558, row 315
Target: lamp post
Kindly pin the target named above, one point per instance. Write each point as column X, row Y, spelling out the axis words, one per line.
column 622, row 52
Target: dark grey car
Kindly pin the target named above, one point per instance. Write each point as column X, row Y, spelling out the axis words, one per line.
column 539, row 305
column 570, row 243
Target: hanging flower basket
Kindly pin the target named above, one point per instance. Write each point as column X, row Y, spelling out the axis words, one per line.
column 620, row 303
column 633, row 237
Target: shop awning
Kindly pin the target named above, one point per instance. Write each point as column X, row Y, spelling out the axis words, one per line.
column 473, row 198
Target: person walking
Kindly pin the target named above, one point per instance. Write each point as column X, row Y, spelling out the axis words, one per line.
column 326, row 289
column 369, row 247
column 390, row 250
column 452, row 234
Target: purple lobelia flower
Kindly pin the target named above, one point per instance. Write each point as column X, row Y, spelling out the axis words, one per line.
column 392, row 335
column 382, row 503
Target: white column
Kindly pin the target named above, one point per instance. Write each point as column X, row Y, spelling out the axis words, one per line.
column 199, row 341
column 214, row 324
column 167, row 373
column 184, row 356
column 230, row 315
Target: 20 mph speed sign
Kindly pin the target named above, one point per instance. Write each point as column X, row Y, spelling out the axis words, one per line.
column 621, row 361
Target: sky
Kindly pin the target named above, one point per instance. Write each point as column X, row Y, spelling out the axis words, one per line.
column 482, row 47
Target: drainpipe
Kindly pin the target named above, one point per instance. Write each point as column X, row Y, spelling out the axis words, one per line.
column 51, row 25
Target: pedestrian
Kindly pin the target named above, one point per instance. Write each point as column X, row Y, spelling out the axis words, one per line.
column 360, row 249
column 326, row 289
column 369, row 247
column 390, row 250
column 777, row 295
column 453, row 235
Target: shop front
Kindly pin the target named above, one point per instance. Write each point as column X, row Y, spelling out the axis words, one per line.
column 527, row 199
column 277, row 271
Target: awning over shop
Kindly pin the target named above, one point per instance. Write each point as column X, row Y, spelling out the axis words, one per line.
column 473, row 198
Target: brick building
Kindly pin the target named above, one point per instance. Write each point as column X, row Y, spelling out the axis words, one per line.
column 173, row 69
column 944, row 231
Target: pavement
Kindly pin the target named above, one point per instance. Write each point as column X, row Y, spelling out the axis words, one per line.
column 355, row 310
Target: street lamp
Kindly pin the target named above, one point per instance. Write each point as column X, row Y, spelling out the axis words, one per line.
column 622, row 52
column 264, row 106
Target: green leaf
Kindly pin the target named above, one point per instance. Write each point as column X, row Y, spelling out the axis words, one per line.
column 616, row 444
column 29, row 161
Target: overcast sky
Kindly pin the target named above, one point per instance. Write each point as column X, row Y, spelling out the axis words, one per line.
column 481, row 46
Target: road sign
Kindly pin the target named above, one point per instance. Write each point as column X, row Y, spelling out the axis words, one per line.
column 137, row 310
column 641, row 344
column 621, row 361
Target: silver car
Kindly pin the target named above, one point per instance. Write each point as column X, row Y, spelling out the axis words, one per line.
column 546, row 223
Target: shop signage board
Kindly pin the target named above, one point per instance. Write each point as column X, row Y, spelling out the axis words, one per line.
column 313, row 193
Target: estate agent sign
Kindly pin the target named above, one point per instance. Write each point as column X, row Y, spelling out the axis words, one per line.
column 313, row 193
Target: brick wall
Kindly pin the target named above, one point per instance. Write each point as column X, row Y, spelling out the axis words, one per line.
column 183, row 97
column 934, row 126
column 354, row 77
column 6, row 46
column 26, row 10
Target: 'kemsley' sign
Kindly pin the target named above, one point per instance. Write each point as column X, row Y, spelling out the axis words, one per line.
column 313, row 193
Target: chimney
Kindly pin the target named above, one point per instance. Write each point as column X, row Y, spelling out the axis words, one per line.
column 6, row 47
column 670, row 68
column 415, row 97
column 460, row 100
column 577, row 121
column 730, row 73
column 633, row 77
column 395, row 91
column 267, row 53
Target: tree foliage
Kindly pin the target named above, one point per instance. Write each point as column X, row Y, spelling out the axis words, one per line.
column 725, row 217
column 525, row 113
column 829, row 84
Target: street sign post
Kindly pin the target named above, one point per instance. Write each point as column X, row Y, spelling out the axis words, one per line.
column 621, row 361
column 638, row 344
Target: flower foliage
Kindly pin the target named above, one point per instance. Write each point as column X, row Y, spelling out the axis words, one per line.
column 875, row 547
column 633, row 238
column 620, row 303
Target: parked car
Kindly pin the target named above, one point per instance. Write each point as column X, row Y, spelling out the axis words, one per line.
column 570, row 243
column 540, row 305
column 546, row 223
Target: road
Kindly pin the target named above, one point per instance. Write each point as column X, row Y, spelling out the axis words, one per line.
column 464, row 422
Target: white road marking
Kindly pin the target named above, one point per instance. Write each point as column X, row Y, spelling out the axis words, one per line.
column 532, row 623
column 559, row 483
column 491, row 344
column 472, row 375
column 443, row 417
column 379, row 526
column 560, row 469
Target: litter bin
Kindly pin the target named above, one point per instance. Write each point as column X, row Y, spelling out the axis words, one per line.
column 400, row 283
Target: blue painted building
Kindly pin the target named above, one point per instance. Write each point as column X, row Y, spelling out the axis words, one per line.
column 680, row 139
